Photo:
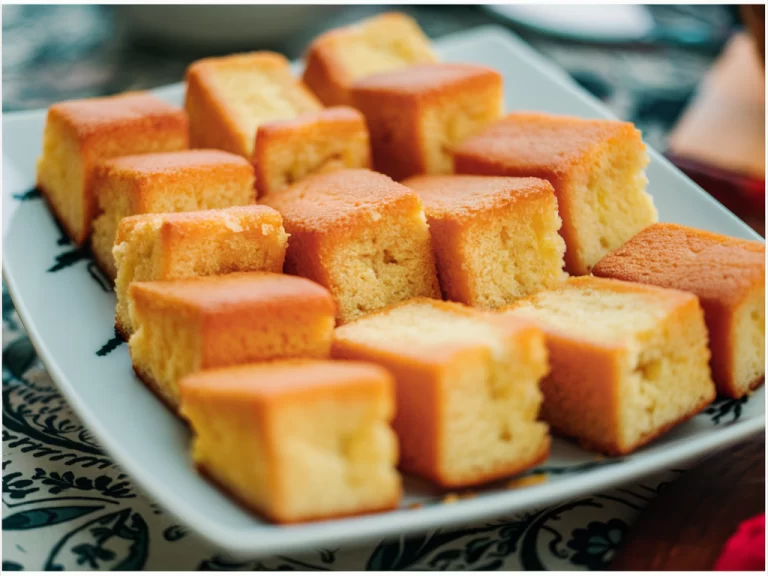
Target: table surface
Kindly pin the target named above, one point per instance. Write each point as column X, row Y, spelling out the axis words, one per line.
column 66, row 505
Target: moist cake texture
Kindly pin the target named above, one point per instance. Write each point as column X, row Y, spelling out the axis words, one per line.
column 183, row 326
column 229, row 97
column 728, row 276
column 80, row 133
column 361, row 235
column 170, row 182
column 379, row 44
column 495, row 239
column 629, row 361
column 416, row 115
column 187, row 244
column 467, row 382
column 597, row 168
column 289, row 150
column 296, row 440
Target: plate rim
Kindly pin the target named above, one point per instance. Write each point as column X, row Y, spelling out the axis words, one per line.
column 272, row 539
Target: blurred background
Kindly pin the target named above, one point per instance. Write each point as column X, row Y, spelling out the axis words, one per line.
column 690, row 77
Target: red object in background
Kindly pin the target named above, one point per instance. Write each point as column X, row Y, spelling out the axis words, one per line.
column 742, row 195
column 745, row 550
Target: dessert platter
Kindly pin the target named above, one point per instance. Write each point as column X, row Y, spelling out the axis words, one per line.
column 397, row 286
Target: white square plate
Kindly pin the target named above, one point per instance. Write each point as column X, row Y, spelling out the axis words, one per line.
column 68, row 311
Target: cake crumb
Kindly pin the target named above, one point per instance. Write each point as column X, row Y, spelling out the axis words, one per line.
column 452, row 497
column 526, row 481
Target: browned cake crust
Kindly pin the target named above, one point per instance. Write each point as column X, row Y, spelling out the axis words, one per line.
column 213, row 120
column 332, row 138
column 538, row 145
column 202, row 469
column 565, row 151
column 330, row 78
column 459, row 197
column 104, row 128
column 326, row 213
column 121, row 330
column 74, row 236
column 399, row 105
column 154, row 387
column 719, row 269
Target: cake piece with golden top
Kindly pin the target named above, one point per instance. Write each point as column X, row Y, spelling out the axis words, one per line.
column 362, row 236
column 379, row 44
column 629, row 361
column 286, row 151
column 596, row 166
column 296, row 440
column 170, row 182
column 186, row 244
column 416, row 115
column 229, row 97
column 728, row 276
column 79, row 133
column 495, row 239
column 183, row 326
column 467, row 391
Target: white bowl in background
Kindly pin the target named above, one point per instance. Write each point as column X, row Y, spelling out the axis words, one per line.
column 219, row 27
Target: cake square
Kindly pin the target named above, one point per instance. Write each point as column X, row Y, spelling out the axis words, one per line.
column 467, row 387
column 362, row 236
column 596, row 166
column 286, row 151
column 379, row 44
column 183, row 326
column 728, row 276
column 170, row 182
column 228, row 98
column 296, row 440
column 187, row 244
column 79, row 133
column 416, row 115
column 629, row 361
column 495, row 239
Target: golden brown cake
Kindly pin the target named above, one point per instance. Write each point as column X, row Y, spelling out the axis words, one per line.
column 379, row 44
column 416, row 115
column 170, row 182
column 79, row 133
column 186, row 244
column 286, row 151
column 362, row 236
column 629, row 361
column 183, row 326
column 728, row 276
column 296, row 440
column 229, row 97
column 467, row 392
column 495, row 239
column 596, row 166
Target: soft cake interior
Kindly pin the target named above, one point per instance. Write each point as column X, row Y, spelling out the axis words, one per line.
column 660, row 360
column 608, row 202
column 488, row 397
column 386, row 262
column 514, row 254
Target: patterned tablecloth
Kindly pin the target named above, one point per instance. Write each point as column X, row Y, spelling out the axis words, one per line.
column 66, row 505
